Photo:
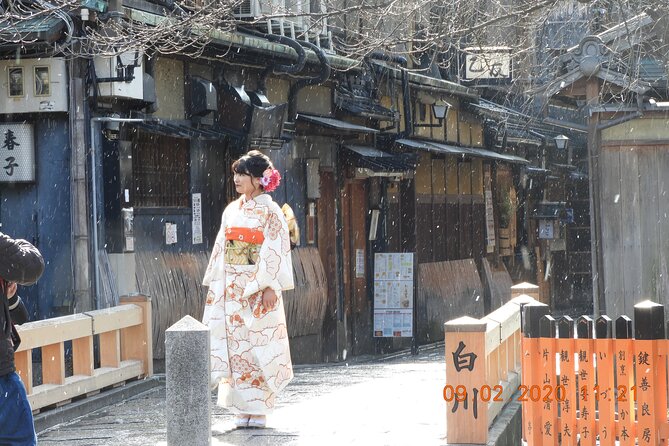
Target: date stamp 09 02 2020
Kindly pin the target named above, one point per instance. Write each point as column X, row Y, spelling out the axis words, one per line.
column 535, row 393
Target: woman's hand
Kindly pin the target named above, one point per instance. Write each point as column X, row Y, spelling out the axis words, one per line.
column 269, row 299
column 11, row 289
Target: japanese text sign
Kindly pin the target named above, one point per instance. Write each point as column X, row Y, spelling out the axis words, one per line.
column 17, row 153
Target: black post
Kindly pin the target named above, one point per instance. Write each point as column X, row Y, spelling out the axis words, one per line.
column 584, row 327
column 547, row 326
column 566, row 328
column 532, row 314
column 604, row 327
column 649, row 321
column 624, row 328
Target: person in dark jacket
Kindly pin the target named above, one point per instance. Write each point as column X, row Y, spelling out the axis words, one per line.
column 20, row 263
column 17, row 309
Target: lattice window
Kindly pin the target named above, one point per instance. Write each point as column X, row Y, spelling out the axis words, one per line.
column 160, row 169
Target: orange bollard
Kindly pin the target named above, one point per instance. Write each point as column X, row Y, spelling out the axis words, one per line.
column 586, row 381
column 565, row 349
column 624, row 351
column 548, row 386
column 605, row 388
column 465, row 348
column 533, row 373
column 649, row 331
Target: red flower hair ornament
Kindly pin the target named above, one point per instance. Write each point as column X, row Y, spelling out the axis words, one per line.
column 270, row 180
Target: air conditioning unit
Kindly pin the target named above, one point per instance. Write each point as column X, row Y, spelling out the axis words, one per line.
column 257, row 9
column 33, row 85
column 120, row 76
column 271, row 12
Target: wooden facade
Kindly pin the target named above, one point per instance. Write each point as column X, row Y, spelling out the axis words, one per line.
column 153, row 168
column 634, row 207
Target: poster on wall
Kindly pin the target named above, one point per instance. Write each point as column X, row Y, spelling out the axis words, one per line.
column 393, row 294
column 170, row 233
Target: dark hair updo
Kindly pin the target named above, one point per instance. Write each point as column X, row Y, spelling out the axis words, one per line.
column 253, row 163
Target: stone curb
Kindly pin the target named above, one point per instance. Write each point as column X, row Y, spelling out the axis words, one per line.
column 69, row 412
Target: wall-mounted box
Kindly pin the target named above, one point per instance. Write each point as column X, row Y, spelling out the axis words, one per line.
column 33, row 85
column 130, row 62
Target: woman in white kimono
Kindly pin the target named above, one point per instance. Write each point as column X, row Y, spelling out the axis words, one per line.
column 249, row 268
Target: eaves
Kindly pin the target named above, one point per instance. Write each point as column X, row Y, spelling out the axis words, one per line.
column 245, row 42
column 427, row 83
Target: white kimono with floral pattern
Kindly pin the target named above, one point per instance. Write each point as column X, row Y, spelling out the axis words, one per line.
column 250, row 356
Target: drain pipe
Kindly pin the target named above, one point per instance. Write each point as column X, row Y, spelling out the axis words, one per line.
column 95, row 131
column 620, row 120
column 276, row 67
column 385, row 57
column 318, row 80
column 282, row 68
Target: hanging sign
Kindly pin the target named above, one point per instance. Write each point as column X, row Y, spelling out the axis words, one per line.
column 487, row 63
column 489, row 217
column 197, row 218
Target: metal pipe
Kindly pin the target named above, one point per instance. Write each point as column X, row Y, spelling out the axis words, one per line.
column 380, row 55
column 318, row 80
column 566, row 125
column 95, row 122
column 406, row 99
column 276, row 67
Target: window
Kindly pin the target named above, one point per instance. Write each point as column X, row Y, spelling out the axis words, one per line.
column 15, row 84
column 160, row 170
column 42, row 81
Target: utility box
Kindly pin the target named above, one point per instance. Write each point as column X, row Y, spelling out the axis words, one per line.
column 33, row 85
column 128, row 65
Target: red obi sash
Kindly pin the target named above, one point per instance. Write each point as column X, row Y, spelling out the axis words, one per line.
column 245, row 235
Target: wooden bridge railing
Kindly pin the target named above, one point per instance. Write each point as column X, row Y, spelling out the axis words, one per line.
column 483, row 369
column 125, row 351
column 594, row 388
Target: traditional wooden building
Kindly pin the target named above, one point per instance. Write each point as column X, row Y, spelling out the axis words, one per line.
column 626, row 155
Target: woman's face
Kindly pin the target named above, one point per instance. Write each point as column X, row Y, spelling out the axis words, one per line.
column 245, row 184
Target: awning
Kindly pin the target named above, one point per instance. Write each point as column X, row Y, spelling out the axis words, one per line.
column 45, row 28
column 363, row 106
column 447, row 149
column 430, row 146
column 179, row 129
column 498, row 156
column 335, row 124
column 379, row 161
column 537, row 172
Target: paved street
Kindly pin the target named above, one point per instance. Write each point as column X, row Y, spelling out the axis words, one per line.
column 390, row 401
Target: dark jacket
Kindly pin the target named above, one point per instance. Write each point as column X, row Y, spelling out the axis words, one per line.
column 22, row 263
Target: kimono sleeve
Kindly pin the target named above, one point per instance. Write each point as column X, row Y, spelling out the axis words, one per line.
column 275, row 267
column 216, row 268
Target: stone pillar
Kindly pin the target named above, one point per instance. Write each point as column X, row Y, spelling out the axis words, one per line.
column 188, row 408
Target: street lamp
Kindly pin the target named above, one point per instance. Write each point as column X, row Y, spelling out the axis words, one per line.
column 440, row 109
column 562, row 143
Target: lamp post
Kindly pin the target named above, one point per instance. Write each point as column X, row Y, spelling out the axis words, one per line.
column 562, row 143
